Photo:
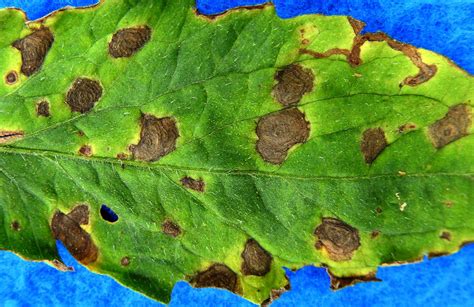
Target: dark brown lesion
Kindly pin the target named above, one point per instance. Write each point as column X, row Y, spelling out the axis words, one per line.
column 67, row 229
column 446, row 235
column 372, row 144
column 157, row 138
column 11, row 78
column 256, row 260
column 15, row 225
column 217, row 276
column 83, row 95
column 356, row 25
column 128, row 41
column 170, row 228
column 293, row 82
column 339, row 239
column 338, row 283
column 34, row 49
column 193, row 184
column 276, row 294
column 280, row 131
column 453, row 126
column 85, row 150
column 80, row 214
column 42, row 108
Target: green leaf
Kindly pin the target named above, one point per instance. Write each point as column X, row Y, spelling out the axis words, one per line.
column 228, row 146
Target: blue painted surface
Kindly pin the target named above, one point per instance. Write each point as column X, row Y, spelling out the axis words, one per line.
column 443, row 27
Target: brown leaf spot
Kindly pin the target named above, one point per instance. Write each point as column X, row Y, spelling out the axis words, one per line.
column 42, row 108
column 372, row 144
column 7, row 136
column 125, row 261
column 338, row 238
column 378, row 210
column 453, row 126
column 446, row 235
column 126, row 42
column 193, row 184
column 374, row 234
column 34, row 48
column 85, row 151
column 293, row 82
column 170, row 228
column 157, row 138
column 257, row 261
column 83, row 95
column 11, row 77
column 78, row 242
column 216, row 276
column 342, row 282
column 15, row 225
column 80, row 214
column 280, row 131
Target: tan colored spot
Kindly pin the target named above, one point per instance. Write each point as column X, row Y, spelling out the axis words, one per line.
column 42, row 108
column 453, row 126
column 293, row 82
column 170, row 228
column 372, row 144
column 193, row 184
column 11, row 77
column 157, row 138
column 78, row 242
column 122, row 156
column 338, row 238
column 83, row 95
column 126, row 42
column 256, row 260
column 34, row 48
column 280, row 131
column 342, row 282
column 217, row 276
column 85, row 151
column 125, row 261
column 7, row 136
column 275, row 294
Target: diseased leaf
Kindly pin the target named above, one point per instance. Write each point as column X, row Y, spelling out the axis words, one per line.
column 161, row 145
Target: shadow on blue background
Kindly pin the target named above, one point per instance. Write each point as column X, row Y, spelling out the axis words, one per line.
column 446, row 28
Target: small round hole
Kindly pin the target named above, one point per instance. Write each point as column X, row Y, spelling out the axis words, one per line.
column 108, row 214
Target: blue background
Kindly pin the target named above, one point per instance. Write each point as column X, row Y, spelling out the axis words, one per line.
column 447, row 28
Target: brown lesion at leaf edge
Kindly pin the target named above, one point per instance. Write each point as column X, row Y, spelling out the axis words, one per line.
column 337, row 283
column 426, row 71
column 217, row 275
column 276, row 294
column 34, row 48
column 215, row 17
column 67, row 229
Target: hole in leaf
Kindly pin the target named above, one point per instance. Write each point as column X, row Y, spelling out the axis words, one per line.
column 108, row 214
